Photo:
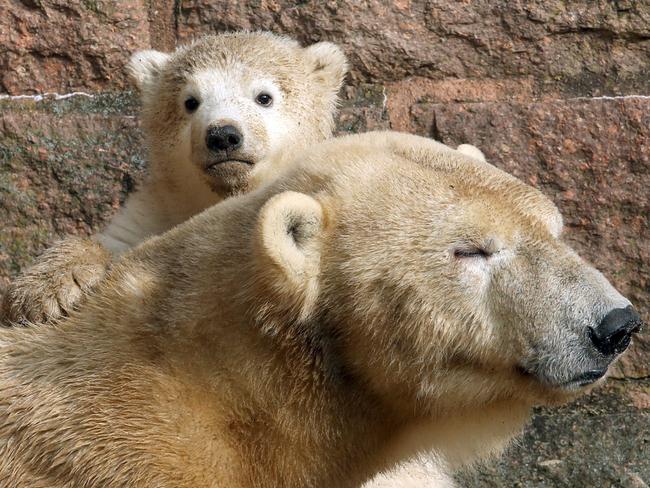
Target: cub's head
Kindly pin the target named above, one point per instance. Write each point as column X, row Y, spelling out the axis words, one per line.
column 435, row 278
column 213, row 109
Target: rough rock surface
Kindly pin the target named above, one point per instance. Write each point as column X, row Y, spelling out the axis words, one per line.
column 556, row 92
column 64, row 46
column 61, row 172
column 567, row 47
column 584, row 47
column 602, row 440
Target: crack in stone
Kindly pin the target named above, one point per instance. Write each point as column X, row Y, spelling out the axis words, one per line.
column 616, row 97
column 46, row 96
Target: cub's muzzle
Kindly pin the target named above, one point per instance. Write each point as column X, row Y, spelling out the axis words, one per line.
column 224, row 138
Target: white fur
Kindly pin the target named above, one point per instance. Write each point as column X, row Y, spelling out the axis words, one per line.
column 423, row 471
column 471, row 151
column 177, row 187
column 144, row 66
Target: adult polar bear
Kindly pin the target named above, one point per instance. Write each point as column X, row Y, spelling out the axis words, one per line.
column 383, row 296
column 210, row 111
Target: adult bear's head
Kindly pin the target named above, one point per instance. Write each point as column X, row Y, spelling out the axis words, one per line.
column 430, row 276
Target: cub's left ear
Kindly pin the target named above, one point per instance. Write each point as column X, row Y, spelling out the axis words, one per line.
column 289, row 234
column 145, row 67
column 328, row 64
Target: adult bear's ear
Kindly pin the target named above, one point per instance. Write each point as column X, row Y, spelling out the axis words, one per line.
column 144, row 67
column 472, row 152
column 328, row 64
column 289, row 231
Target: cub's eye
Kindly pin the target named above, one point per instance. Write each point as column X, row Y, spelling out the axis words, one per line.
column 191, row 104
column 264, row 99
column 471, row 252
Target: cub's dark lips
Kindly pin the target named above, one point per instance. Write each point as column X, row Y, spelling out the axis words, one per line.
column 213, row 164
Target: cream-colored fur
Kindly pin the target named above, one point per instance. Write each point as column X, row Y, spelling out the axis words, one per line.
column 224, row 73
column 423, row 471
column 375, row 306
column 472, row 151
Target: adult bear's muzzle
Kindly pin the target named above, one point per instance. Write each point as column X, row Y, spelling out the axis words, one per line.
column 614, row 333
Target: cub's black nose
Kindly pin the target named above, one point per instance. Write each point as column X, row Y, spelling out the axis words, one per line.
column 224, row 138
column 613, row 334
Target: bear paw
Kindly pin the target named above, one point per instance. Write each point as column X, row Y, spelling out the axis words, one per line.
column 56, row 283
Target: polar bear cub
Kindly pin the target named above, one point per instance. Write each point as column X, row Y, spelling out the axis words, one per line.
column 210, row 112
column 215, row 108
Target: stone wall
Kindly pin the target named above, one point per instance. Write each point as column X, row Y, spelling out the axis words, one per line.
column 554, row 91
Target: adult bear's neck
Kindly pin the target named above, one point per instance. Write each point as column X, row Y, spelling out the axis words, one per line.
column 299, row 413
column 277, row 391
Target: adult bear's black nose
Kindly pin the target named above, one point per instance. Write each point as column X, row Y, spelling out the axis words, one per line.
column 613, row 334
column 224, row 138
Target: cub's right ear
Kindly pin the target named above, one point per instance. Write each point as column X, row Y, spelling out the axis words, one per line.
column 145, row 66
column 289, row 235
column 328, row 64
